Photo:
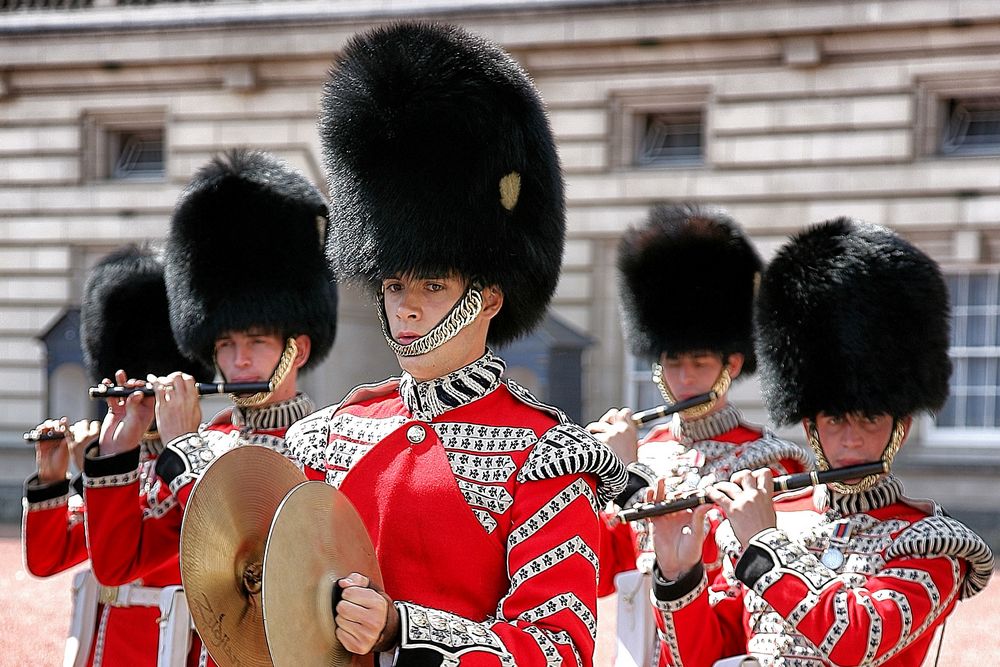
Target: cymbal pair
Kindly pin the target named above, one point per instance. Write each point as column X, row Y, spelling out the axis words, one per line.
column 261, row 550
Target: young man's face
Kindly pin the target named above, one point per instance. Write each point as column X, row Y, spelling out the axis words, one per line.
column 414, row 306
column 854, row 438
column 248, row 356
column 693, row 373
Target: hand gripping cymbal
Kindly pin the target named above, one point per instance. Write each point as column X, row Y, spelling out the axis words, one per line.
column 316, row 538
column 223, row 535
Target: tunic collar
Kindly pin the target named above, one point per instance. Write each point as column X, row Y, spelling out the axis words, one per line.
column 274, row 415
column 886, row 491
column 431, row 398
column 707, row 427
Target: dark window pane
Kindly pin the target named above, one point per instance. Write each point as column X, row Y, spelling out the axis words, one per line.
column 136, row 153
column 674, row 138
column 971, row 126
column 947, row 415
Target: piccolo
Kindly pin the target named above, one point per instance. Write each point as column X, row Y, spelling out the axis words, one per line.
column 799, row 480
column 34, row 435
column 647, row 416
column 204, row 388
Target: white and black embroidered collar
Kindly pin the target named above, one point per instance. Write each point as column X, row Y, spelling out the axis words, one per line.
column 432, row 398
column 705, row 428
column 887, row 491
column 274, row 415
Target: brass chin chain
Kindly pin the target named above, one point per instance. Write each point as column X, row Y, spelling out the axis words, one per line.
column 720, row 387
column 888, row 454
column 462, row 314
column 277, row 377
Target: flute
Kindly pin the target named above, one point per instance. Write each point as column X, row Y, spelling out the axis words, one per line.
column 647, row 416
column 799, row 480
column 204, row 388
column 34, row 435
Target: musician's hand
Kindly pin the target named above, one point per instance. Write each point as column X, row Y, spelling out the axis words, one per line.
column 79, row 436
column 366, row 619
column 52, row 456
column 677, row 537
column 617, row 430
column 127, row 418
column 178, row 408
column 746, row 502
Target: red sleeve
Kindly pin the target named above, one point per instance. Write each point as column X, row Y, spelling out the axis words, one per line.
column 128, row 537
column 852, row 622
column 548, row 615
column 698, row 624
column 52, row 534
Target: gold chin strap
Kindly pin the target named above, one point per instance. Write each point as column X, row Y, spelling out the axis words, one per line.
column 888, row 454
column 277, row 377
column 462, row 314
column 720, row 387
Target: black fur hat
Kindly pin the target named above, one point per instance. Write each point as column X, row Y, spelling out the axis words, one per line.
column 245, row 249
column 441, row 160
column 686, row 282
column 124, row 323
column 852, row 318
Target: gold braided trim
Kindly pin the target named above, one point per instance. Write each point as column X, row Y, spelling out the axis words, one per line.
column 888, row 454
column 720, row 387
column 277, row 377
column 462, row 314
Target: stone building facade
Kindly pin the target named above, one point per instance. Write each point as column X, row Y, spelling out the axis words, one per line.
column 784, row 112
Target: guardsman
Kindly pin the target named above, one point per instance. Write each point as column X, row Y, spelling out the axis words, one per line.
column 852, row 572
column 250, row 293
column 124, row 324
column 480, row 501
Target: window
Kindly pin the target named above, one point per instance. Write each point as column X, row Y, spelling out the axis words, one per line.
column 970, row 126
column 659, row 129
column 668, row 139
column 972, row 412
column 135, row 153
column 124, row 146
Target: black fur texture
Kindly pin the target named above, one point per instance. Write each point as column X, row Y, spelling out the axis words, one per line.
column 419, row 123
column 686, row 282
column 245, row 249
column 124, row 321
column 852, row 318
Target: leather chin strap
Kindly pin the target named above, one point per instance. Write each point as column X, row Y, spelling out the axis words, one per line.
column 462, row 314
column 888, row 454
column 720, row 387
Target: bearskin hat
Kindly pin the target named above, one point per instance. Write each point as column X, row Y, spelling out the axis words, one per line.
column 686, row 280
column 124, row 323
column 852, row 318
column 441, row 161
column 245, row 250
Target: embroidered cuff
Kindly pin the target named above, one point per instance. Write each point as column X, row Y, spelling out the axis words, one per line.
column 37, row 492
column 770, row 555
column 95, row 465
column 183, row 460
column 637, row 483
column 692, row 581
column 428, row 635
column 753, row 564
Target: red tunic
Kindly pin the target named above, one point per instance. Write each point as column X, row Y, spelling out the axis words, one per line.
column 54, row 540
column 719, row 444
column 132, row 540
column 481, row 505
column 905, row 566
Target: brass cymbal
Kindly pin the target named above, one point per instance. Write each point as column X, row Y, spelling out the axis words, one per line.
column 222, row 548
column 316, row 538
